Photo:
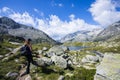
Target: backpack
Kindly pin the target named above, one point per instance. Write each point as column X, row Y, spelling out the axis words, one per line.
column 23, row 50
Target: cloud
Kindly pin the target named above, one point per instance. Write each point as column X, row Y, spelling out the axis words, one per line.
column 72, row 5
column 23, row 18
column 60, row 5
column 53, row 3
column 53, row 25
column 39, row 12
column 104, row 12
column 72, row 16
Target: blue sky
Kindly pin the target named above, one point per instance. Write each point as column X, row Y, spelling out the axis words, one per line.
column 61, row 8
column 60, row 17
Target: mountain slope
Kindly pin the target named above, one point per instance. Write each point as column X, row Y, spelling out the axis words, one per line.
column 81, row 35
column 9, row 26
column 111, row 32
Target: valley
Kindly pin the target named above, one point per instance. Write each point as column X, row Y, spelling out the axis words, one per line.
column 98, row 59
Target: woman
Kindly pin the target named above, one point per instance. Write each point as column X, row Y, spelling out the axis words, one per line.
column 28, row 56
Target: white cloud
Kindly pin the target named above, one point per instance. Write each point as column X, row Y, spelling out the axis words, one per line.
column 52, row 25
column 23, row 18
column 39, row 12
column 5, row 9
column 60, row 5
column 72, row 16
column 72, row 5
column 104, row 12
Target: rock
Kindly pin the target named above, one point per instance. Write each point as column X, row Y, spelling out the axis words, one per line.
column 109, row 68
column 99, row 54
column 5, row 59
column 11, row 74
column 57, row 50
column 16, row 60
column 26, row 77
column 15, row 43
column 40, row 51
column 59, row 61
column 8, row 54
column 90, row 58
column 65, row 56
column 61, row 77
column 50, row 54
column 44, row 61
column 45, row 49
column 1, row 56
column 65, row 48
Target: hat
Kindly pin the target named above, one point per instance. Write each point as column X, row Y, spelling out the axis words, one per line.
column 29, row 39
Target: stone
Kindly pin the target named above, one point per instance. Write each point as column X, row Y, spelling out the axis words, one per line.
column 1, row 56
column 50, row 54
column 65, row 48
column 57, row 50
column 61, row 77
column 59, row 61
column 40, row 51
column 45, row 49
column 109, row 68
column 44, row 61
column 11, row 74
column 90, row 58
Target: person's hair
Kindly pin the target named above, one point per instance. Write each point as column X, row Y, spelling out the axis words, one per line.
column 27, row 41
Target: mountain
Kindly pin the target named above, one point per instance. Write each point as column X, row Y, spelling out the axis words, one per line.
column 109, row 33
column 84, row 35
column 10, row 27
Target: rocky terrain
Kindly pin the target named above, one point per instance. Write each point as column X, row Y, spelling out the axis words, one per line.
column 94, row 61
column 111, row 32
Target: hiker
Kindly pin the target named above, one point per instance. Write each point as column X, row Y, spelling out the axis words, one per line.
column 28, row 56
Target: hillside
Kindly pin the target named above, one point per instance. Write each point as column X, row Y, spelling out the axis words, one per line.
column 81, row 36
column 110, row 33
column 10, row 27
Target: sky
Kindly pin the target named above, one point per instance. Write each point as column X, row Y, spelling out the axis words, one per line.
column 58, row 18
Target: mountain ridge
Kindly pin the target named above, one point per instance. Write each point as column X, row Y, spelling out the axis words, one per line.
column 9, row 26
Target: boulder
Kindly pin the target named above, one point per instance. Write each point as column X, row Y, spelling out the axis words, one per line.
column 109, row 68
column 45, row 49
column 90, row 58
column 57, row 50
column 44, row 61
column 1, row 56
column 11, row 74
column 65, row 48
column 61, row 77
column 49, row 54
column 40, row 51
column 59, row 61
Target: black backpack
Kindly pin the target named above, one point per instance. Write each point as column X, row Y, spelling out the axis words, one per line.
column 23, row 50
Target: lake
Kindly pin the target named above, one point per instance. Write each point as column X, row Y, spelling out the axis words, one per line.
column 76, row 47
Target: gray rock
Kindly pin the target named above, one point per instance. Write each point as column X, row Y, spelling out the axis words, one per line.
column 40, row 51
column 50, row 54
column 59, row 61
column 90, row 58
column 109, row 68
column 45, row 49
column 11, row 74
column 65, row 48
column 99, row 54
column 1, row 56
column 57, row 50
column 44, row 61
column 8, row 54
column 61, row 77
